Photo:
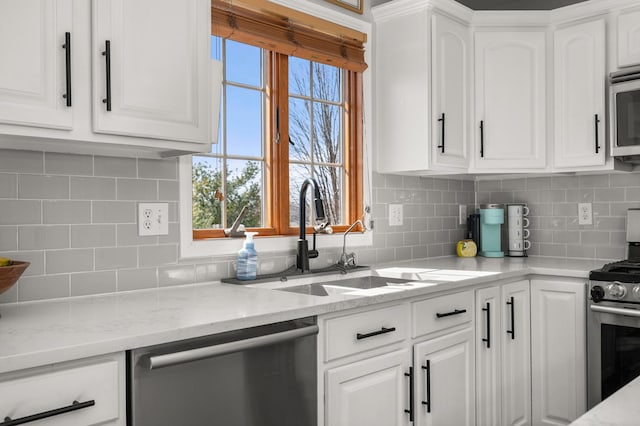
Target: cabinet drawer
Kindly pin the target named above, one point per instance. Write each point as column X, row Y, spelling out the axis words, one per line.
column 355, row 333
column 442, row 312
column 58, row 389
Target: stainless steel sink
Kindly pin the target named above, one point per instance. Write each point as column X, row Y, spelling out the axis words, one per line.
column 344, row 286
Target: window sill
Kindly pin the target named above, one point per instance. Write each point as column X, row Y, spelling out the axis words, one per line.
column 229, row 246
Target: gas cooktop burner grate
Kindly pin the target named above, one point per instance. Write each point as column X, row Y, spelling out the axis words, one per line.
column 623, row 271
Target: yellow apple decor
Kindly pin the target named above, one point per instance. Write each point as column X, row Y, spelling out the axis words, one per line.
column 466, row 248
column 10, row 271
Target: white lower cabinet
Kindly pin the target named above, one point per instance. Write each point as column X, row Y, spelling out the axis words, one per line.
column 370, row 392
column 558, row 342
column 79, row 393
column 444, row 372
column 503, row 343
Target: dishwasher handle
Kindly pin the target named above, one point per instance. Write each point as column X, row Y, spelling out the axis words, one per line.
column 153, row 362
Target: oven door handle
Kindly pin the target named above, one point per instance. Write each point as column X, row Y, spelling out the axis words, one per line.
column 174, row 358
column 615, row 311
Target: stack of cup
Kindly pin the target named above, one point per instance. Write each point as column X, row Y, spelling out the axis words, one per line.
column 517, row 230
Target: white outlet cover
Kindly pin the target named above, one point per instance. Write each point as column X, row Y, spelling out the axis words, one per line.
column 585, row 214
column 153, row 219
column 462, row 214
column 395, row 215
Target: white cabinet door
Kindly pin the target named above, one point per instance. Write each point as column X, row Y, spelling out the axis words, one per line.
column 516, row 354
column 33, row 76
column 402, row 93
column 579, row 76
column 445, row 391
column 450, row 83
column 558, row 345
column 510, row 107
column 372, row 392
column 629, row 38
column 488, row 342
column 158, row 73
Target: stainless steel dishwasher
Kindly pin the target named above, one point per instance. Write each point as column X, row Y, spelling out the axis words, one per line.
column 260, row 376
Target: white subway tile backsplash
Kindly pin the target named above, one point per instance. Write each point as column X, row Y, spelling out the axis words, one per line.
column 8, row 185
column 66, row 212
column 43, row 287
column 175, row 275
column 113, row 211
column 69, row 260
column 93, row 236
column 20, row 212
column 43, row 187
column 116, row 258
column 115, row 166
column 92, row 188
column 68, row 164
column 137, row 189
column 13, row 161
column 43, row 237
column 137, row 279
column 8, row 238
column 157, row 255
column 158, row 169
column 86, row 283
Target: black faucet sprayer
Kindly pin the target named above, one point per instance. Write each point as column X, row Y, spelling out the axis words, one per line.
column 322, row 224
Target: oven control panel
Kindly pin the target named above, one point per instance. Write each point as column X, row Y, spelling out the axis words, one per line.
column 614, row 291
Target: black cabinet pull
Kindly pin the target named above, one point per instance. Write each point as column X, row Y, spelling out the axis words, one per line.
column 383, row 330
column 488, row 311
column 410, row 410
column 67, row 61
column 441, row 146
column 107, row 61
column 596, row 122
column 427, row 372
column 32, row 418
column 481, row 138
column 512, row 332
column 448, row 314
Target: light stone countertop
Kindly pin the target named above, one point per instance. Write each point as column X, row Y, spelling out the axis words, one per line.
column 620, row 409
column 44, row 332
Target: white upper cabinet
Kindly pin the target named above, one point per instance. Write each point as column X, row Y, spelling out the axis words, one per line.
column 149, row 64
column 450, row 83
column 33, row 77
column 629, row 38
column 510, row 123
column 421, row 72
column 579, row 77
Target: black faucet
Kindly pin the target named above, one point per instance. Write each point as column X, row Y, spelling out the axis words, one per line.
column 303, row 256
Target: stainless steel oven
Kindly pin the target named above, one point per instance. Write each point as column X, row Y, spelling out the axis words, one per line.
column 624, row 113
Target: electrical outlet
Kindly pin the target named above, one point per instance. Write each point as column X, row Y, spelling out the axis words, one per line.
column 395, row 214
column 462, row 214
column 585, row 215
column 153, row 219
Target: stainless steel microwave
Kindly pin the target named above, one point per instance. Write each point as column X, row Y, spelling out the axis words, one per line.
column 624, row 112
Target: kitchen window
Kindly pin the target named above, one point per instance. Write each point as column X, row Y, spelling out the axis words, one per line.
column 288, row 112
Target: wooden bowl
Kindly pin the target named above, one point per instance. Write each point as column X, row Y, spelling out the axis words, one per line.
column 10, row 274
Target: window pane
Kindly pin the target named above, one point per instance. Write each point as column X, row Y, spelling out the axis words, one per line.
column 299, row 73
column 207, row 192
column 297, row 174
column 330, row 180
column 299, row 125
column 244, row 121
column 326, row 82
column 244, row 188
column 327, row 140
column 243, row 63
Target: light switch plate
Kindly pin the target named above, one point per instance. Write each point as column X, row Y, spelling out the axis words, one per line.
column 395, row 214
column 153, row 219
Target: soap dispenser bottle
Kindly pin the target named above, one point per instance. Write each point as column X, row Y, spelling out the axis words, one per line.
column 247, row 261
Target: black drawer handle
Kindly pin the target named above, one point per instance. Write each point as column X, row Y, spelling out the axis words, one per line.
column 32, row 418
column 383, row 330
column 454, row 312
column 67, row 61
column 441, row 119
column 481, row 138
column 596, row 122
column 427, row 372
column 411, row 409
column 512, row 332
column 107, row 62
column 488, row 311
